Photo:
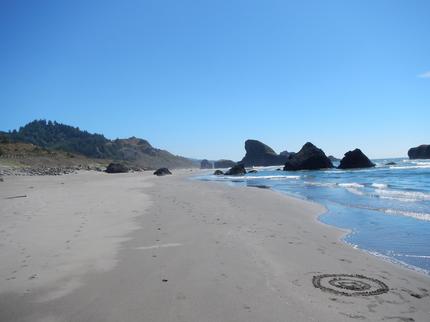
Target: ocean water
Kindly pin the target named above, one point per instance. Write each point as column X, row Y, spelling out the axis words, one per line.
column 386, row 208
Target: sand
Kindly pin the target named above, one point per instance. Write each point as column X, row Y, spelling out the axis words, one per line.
column 134, row 247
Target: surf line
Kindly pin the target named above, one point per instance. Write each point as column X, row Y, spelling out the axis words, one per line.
column 158, row 246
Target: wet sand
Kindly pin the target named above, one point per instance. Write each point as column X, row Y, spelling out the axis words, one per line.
column 134, row 247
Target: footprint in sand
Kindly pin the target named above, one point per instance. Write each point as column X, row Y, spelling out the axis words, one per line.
column 321, row 250
column 418, row 295
column 398, row 318
column 353, row 316
column 371, row 307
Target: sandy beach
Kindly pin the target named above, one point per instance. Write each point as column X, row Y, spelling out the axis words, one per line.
column 134, row 247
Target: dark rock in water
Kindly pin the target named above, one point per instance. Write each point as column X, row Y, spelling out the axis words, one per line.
column 391, row 163
column 162, row 172
column 205, row 164
column 355, row 159
column 308, row 158
column 420, row 152
column 285, row 153
column 237, row 170
column 259, row 154
column 252, row 171
column 261, row 186
column 218, row 173
column 333, row 159
column 116, row 168
column 279, row 169
column 224, row 164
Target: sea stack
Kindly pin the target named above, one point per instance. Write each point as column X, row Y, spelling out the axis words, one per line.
column 308, row 158
column 259, row 154
column 355, row 159
column 333, row 159
column 205, row 164
column 420, row 152
column 224, row 164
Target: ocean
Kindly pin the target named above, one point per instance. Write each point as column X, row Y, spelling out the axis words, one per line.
column 386, row 208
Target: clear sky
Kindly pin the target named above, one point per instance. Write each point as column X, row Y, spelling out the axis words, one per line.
column 199, row 77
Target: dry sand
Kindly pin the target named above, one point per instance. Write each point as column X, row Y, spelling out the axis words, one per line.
column 133, row 247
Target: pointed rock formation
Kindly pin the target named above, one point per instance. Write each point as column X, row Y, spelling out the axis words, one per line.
column 355, row 159
column 308, row 158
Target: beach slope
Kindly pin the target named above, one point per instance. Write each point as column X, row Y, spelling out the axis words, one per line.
column 134, row 247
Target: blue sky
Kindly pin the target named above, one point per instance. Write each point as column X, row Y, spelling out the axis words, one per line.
column 200, row 77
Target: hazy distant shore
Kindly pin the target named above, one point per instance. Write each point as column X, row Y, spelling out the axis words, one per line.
column 133, row 247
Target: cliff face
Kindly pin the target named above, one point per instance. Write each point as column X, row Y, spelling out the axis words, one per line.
column 420, row 152
column 259, row 154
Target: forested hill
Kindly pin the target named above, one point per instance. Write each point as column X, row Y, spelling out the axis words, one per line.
column 57, row 136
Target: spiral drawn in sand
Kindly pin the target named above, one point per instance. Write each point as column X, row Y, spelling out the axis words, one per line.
column 349, row 285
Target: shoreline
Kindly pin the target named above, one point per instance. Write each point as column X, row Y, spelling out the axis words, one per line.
column 200, row 251
column 346, row 232
column 343, row 232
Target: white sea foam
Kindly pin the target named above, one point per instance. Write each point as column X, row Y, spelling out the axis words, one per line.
column 417, row 215
column 355, row 191
column 416, row 256
column 350, row 185
column 279, row 177
column 397, row 261
column 379, row 185
column 407, row 196
column 390, row 257
column 391, row 253
column 424, row 165
column 320, row 184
